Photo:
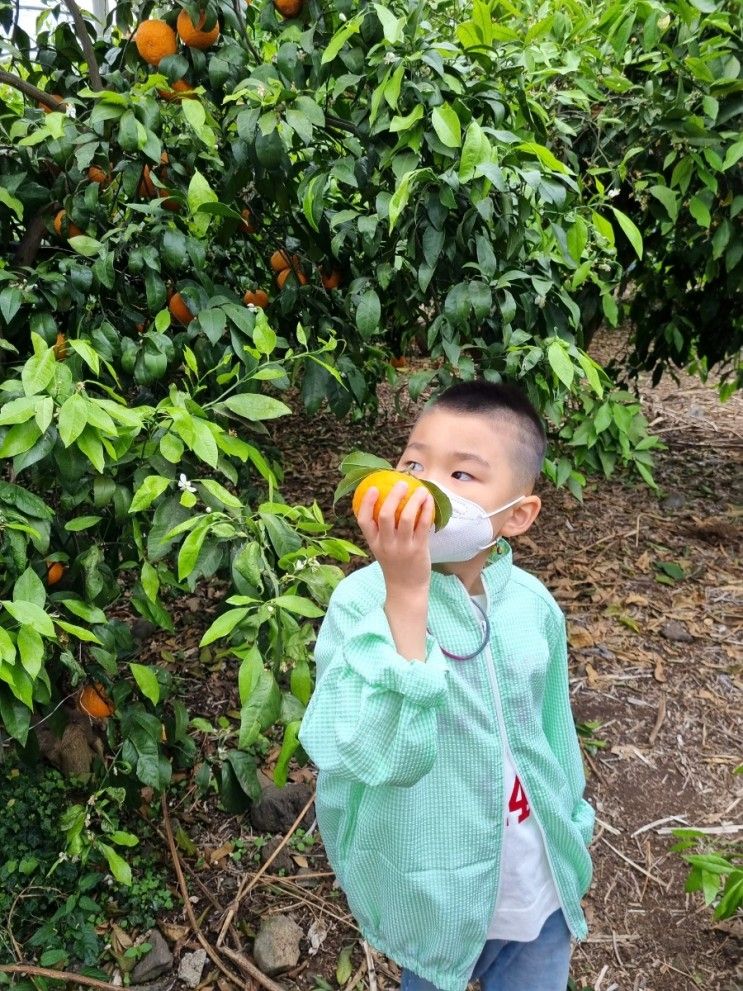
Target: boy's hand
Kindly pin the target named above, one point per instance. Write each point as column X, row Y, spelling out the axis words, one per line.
column 403, row 555
column 401, row 548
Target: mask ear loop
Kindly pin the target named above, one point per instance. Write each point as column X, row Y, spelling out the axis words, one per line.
column 480, row 649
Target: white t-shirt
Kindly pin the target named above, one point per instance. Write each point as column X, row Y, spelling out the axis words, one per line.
column 527, row 895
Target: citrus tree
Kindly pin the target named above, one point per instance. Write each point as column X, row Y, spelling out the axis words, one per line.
column 205, row 204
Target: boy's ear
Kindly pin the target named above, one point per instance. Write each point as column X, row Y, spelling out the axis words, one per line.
column 522, row 516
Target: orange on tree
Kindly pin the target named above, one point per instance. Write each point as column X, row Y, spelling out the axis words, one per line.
column 332, row 279
column 288, row 8
column 384, row 481
column 285, row 273
column 192, row 35
column 256, row 297
column 179, row 310
column 281, row 259
column 179, row 90
column 155, row 40
column 248, row 225
column 99, row 175
column 401, row 362
column 55, row 572
column 169, row 202
column 60, row 349
column 93, row 701
column 65, row 227
column 147, row 188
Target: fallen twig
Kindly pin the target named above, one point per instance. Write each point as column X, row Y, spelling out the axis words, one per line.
column 210, row 951
column 636, row 866
column 370, row 966
column 31, row 970
column 251, row 970
column 658, row 721
column 247, row 885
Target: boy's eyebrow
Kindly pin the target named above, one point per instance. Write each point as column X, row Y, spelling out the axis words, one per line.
column 456, row 455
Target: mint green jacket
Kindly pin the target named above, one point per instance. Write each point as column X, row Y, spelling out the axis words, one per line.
column 410, row 790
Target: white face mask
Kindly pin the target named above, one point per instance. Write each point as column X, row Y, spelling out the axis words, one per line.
column 468, row 532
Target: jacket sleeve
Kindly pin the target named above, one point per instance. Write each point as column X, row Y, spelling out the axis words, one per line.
column 560, row 729
column 373, row 715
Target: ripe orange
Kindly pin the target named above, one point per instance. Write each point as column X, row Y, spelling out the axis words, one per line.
column 65, row 227
column 178, row 309
column 60, row 349
column 169, row 202
column 384, row 480
column 285, row 273
column 192, row 35
column 155, row 40
column 94, row 701
column 141, row 327
column 99, row 175
column 332, row 279
column 256, row 297
column 248, row 225
column 146, row 188
column 288, row 8
column 401, row 362
column 55, row 572
column 281, row 259
column 179, row 90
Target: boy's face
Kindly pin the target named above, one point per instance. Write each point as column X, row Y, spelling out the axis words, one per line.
column 471, row 455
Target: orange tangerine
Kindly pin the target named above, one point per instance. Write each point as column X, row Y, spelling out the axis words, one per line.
column 256, row 297
column 94, row 701
column 384, row 481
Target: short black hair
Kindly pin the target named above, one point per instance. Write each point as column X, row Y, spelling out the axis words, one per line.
column 505, row 402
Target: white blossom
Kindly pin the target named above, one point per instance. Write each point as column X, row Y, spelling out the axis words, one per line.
column 184, row 485
column 71, row 111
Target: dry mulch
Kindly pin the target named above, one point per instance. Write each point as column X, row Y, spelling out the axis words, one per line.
column 657, row 666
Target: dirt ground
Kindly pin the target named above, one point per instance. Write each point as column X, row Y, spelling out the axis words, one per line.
column 655, row 664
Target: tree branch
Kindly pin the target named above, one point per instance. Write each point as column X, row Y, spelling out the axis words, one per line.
column 86, row 44
column 341, row 125
column 29, row 90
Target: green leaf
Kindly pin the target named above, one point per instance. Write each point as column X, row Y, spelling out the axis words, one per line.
column 91, row 614
column 476, row 151
column 733, row 154
column 73, row 418
column 220, row 493
column 344, row 967
column 81, row 523
column 700, row 211
column 255, row 406
column 38, row 372
column 19, row 410
column 560, row 363
column 224, row 625
column 121, row 871
column 391, row 25
column 668, row 198
column 298, row 604
column 29, row 614
column 77, row 631
column 31, row 651
column 86, row 246
column 630, row 229
column 544, row 155
column 446, row 125
column 368, row 313
column 146, row 680
column 152, row 487
column 289, row 747
column 340, row 37
column 188, row 555
column 29, row 588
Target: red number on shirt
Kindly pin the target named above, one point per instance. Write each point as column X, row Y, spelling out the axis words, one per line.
column 518, row 801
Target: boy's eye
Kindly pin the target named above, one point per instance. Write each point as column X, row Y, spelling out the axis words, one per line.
column 413, row 466
column 458, row 475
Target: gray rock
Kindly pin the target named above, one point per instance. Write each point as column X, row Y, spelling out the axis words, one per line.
column 191, row 968
column 277, row 808
column 282, row 861
column 673, row 501
column 157, row 961
column 673, row 630
column 306, row 882
column 276, row 946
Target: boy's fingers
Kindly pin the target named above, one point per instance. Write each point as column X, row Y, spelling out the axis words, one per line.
column 414, row 513
column 366, row 510
column 387, row 514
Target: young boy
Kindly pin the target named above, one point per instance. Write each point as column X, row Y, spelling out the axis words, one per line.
column 450, row 785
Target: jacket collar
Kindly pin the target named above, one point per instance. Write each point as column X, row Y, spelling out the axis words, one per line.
column 495, row 576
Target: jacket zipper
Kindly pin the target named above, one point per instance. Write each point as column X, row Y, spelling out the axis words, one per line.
column 490, row 663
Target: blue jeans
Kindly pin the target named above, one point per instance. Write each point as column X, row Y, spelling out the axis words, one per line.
column 507, row 965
